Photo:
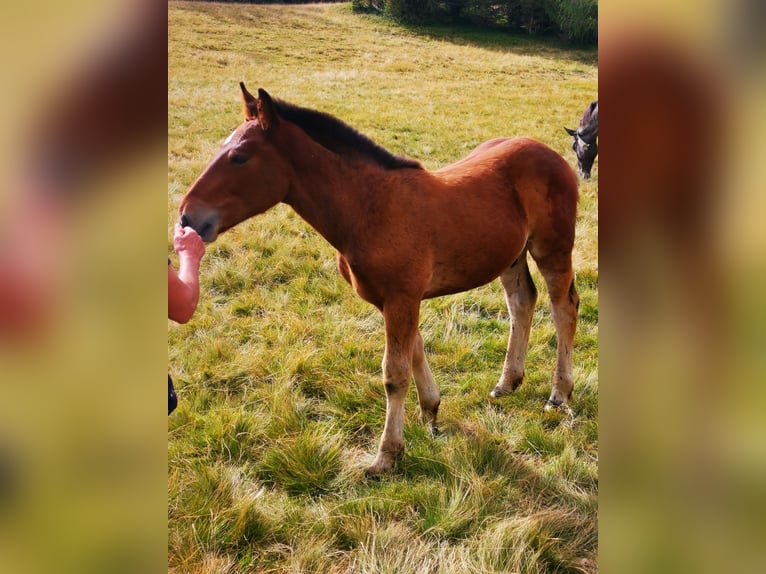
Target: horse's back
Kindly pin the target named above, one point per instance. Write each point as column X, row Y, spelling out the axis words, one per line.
column 480, row 155
column 524, row 169
column 516, row 154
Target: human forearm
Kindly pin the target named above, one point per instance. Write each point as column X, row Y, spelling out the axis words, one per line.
column 188, row 273
column 183, row 287
column 182, row 297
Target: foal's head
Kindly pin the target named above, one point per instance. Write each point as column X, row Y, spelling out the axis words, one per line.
column 586, row 153
column 585, row 140
column 247, row 176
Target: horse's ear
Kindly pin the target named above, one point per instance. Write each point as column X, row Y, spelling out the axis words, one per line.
column 248, row 102
column 570, row 131
column 267, row 113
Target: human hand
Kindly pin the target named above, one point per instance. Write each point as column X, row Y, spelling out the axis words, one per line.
column 188, row 243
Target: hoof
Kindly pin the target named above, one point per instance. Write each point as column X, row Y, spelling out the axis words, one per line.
column 552, row 404
column 428, row 418
column 378, row 470
column 384, row 463
column 499, row 391
column 561, row 406
column 374, row 472
column 503, row 388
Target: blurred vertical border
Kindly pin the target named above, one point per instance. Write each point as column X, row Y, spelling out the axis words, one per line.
column 682, row 255
column 83, row 236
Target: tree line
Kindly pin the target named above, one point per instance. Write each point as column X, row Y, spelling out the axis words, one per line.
column 575, row 20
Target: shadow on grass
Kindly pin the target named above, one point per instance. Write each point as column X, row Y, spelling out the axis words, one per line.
column 466, row 34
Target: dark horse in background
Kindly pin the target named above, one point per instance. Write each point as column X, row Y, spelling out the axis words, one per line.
column 585, row 140
column 404, row 233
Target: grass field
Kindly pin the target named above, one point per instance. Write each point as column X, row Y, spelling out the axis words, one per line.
column 278, row 374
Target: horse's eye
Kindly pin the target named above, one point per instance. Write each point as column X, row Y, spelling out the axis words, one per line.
column 238, row 159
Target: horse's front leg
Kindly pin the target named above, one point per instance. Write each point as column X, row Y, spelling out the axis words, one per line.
column 428, row 392
column 401, row 322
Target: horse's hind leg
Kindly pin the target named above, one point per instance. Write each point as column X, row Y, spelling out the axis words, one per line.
column 428, row 392
column 520, row 297
column 559, row 278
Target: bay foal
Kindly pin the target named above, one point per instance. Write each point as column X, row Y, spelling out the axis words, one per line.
column 404, row 233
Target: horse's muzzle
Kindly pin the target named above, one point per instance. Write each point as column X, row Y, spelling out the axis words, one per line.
column 205, row 226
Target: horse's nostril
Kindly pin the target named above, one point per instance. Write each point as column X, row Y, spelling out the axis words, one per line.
column 205, row 230
column 185, row 221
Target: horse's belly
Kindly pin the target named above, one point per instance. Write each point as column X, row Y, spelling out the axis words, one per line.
column 474, row 255
column 457, row 277
column 438, row 290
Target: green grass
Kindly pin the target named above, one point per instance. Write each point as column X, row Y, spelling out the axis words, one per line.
column 278, row 373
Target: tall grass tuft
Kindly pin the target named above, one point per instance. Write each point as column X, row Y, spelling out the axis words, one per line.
column 304, row 464
column 546, row 541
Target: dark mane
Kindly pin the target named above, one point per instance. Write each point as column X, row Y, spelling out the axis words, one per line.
column 341, row 138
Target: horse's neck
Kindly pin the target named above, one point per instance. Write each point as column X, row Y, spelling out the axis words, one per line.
column 329, row 193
